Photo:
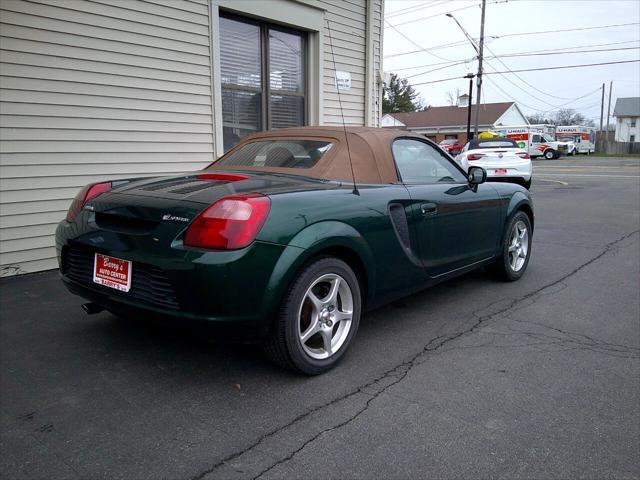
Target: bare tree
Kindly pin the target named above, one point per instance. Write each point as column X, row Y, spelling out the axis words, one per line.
column 452, row 97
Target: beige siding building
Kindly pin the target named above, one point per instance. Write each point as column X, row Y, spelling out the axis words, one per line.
column 106, row 89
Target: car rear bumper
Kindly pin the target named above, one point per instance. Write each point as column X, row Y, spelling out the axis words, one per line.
column 228, row 288
column 519, row 170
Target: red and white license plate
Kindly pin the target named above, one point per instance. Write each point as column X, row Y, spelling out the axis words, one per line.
column 501, row 171
column 112, row 272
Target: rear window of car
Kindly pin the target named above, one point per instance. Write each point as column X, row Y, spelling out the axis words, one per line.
column 448, row 142
column 493, row 143
column 282, row 153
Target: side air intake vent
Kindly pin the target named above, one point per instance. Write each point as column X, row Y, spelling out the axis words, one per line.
column 400, row 224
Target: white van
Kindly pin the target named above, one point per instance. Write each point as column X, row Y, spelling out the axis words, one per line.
column 583, row 137
column 536, row 140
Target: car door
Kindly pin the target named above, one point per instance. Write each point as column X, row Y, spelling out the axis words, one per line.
column 534, row 147
column 456, row 224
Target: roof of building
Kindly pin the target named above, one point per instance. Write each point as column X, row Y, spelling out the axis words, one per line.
column 627, row 107
column 368, row 152
column 450, row 116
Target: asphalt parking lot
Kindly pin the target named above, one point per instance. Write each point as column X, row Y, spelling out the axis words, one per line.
column 471, row 379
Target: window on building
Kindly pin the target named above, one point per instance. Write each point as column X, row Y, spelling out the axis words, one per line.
column 633, row 123
column 632, row 138
column 263, row 77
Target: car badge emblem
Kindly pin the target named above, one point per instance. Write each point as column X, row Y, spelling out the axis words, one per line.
column 500, row 155
column 174, row 218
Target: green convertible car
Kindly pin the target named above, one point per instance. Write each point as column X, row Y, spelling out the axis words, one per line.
column 290, row 235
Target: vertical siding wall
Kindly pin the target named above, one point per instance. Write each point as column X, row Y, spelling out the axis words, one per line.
column 94, row 90
column 348, row 20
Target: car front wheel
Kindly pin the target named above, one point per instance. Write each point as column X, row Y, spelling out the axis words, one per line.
column 318, row 318
column 549, row 154
column 516, row 249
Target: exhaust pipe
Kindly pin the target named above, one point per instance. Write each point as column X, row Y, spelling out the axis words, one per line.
column 91, row 308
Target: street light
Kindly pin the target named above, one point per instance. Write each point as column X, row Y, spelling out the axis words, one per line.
column 478, row 49
column 470, row 77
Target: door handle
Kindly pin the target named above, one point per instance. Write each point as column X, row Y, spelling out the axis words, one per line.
column 428, row 208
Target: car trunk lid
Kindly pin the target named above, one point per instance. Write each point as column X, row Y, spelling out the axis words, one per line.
column 166, row 206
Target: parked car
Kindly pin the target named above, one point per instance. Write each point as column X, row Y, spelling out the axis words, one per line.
column 291, row 235
column 451, row 146
column 501, row 157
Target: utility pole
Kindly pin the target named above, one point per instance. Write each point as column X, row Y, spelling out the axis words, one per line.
column 602, row 108
column 470, row 77
column 479, row 75
column 609, row 110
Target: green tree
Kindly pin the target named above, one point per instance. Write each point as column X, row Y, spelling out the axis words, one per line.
column 400, row 96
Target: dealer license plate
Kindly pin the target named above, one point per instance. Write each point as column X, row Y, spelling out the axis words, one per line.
column 501, row 171
column 112, row 272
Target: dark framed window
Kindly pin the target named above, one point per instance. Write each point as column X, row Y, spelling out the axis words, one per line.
column 263, row 75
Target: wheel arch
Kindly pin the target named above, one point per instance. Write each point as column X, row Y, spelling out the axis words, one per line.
column 322, row 239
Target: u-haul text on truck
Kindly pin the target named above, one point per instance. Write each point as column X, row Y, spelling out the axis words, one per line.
column 583, row 137
column 535, row 139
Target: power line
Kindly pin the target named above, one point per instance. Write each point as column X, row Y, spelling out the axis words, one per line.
column 567, row 30
column 497, row 57
column 436, row 15
column 555, row 107
column 440, row 68
column 531, row 70
column 415, row 44
column 436, row 47
column 519, row 87
column 510, row 55
column 527, row 83
column 454, row 44
column 568, row 66
column 515, row 54
column 403, row 11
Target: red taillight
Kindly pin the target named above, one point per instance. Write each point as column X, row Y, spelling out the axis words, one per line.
column 230, row 223
column 87, row 193
column 523, row 155
column 475, row 156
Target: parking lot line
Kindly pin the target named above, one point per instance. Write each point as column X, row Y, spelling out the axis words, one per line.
column 585, row 175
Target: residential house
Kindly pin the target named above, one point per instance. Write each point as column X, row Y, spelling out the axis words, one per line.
column 627, row 113
column 440, row 123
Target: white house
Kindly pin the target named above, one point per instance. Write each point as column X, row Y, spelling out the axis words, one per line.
column 99, row 90
column 440, row 123
column 627, row 113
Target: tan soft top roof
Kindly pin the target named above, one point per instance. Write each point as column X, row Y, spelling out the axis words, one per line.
column 370, row 153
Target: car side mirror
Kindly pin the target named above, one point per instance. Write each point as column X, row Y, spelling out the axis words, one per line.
column 476, row 175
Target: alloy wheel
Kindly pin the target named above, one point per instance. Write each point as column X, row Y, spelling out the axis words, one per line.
column 325, row 316
column 518, row 246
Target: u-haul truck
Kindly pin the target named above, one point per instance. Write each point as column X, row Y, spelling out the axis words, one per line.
column 537, row 140
column 583, row 137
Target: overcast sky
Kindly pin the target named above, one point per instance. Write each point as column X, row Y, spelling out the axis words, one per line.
column 555, row 87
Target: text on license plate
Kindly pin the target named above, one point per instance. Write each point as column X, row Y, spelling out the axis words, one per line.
column 501, row 171
column 112, row 272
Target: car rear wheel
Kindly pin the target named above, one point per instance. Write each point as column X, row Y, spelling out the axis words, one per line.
column 318, row 318
column 516, row 249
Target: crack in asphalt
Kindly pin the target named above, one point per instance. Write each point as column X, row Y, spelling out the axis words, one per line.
column 400, row 371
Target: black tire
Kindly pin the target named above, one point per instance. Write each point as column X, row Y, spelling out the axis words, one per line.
column 283, row 345
column 550, row 154
column 501, row 268
column 527, row 184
